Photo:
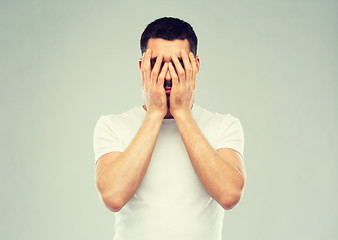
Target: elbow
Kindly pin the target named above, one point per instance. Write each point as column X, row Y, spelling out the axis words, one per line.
column 231, row 200
column 114, row 204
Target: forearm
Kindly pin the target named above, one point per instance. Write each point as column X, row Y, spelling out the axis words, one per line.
column 221, row 179
column 120, row 180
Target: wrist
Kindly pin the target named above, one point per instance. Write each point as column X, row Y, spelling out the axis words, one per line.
column 182, row 114
column 155, row 115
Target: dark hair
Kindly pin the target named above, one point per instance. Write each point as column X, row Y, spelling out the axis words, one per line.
column 169, row 28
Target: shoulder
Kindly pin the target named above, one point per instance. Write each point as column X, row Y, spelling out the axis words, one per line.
column 216, row 118
column 133, row 115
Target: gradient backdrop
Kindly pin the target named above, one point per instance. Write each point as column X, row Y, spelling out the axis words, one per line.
column 272, row 64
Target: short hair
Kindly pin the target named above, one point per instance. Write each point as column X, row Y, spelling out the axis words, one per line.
column 169, row 28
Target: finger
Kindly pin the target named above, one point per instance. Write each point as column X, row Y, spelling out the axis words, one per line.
column 147, row 69
column 142, row 67
column 156, row 69
column 179, row 68
column 194, row 69
column 174, row 77
column 187, row 65
column 161, row 77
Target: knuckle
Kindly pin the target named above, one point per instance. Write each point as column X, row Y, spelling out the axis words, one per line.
column 181, row 90
column 181, row 74
column 158, row 91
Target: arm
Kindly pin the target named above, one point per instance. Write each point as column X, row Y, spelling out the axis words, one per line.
column 221, row 171
column 118, row 175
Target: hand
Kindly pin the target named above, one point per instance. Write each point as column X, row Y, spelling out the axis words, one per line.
column 153, row 92
column 182, row 93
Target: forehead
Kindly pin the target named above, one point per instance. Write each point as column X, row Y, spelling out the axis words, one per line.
column 167, row 48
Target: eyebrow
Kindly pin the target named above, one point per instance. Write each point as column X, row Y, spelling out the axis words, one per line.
column 153, row 60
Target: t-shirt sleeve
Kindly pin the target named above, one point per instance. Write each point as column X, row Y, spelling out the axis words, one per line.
column 230, row 134
column 105, row 138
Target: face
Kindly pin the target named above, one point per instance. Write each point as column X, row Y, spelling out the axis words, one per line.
column 168, row 48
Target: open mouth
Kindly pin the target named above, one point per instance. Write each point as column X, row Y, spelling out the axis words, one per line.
column 167, row 90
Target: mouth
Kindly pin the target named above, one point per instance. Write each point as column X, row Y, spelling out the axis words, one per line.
column 167, row 90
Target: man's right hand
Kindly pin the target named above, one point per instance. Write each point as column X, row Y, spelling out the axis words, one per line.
column 152, row 84
column 119, row 174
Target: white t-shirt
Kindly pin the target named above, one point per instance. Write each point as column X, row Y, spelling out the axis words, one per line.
column 171, row 202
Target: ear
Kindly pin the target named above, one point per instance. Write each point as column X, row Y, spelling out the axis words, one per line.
column 198, row 63
column 139, row 63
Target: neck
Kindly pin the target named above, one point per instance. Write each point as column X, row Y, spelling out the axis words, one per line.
column 167, row 116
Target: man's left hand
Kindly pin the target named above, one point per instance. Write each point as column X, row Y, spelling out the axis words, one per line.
column 182, row 92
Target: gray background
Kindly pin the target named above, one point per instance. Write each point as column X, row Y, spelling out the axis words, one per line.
column 272, row 64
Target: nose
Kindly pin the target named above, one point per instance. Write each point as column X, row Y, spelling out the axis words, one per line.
column 167, row 79
column 167, row 76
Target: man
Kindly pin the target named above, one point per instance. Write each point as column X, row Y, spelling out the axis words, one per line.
column 169, row 168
